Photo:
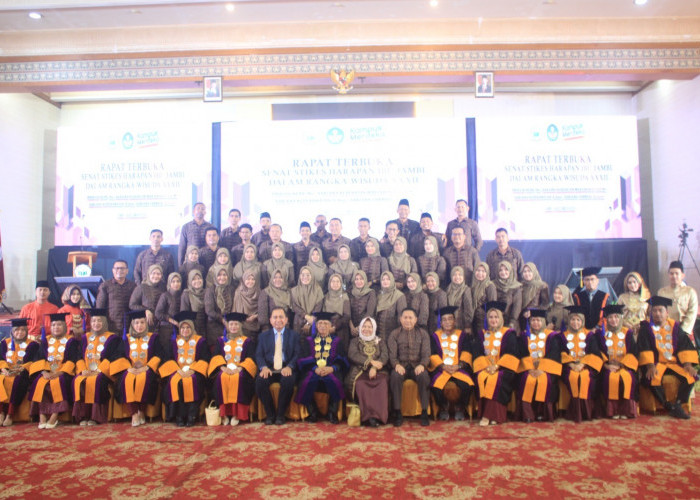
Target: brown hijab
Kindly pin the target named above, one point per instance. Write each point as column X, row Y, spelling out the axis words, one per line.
column 245, row 300
column 388, row 296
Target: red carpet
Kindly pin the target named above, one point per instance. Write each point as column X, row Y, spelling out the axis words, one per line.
column 652, row 457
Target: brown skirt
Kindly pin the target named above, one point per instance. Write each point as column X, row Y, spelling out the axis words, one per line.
column 373, row 396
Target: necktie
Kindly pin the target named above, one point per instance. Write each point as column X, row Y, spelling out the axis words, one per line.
column 277, row 359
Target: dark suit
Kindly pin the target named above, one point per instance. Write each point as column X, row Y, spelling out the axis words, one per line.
column 595, row 306
column 264, row 357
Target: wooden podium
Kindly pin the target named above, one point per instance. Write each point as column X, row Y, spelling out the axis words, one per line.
column 81, row 257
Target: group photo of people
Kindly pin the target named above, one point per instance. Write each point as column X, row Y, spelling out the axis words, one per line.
column 334, row 328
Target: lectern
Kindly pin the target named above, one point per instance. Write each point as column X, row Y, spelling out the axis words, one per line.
column 82, row 262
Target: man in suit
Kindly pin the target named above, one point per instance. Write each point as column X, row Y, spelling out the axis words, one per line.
column 276, row 357
column 591, row 298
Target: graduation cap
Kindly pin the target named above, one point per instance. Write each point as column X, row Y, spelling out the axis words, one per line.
column 57, row 317
column 96, row 312
column 446, row 310
column 185, row 316
column 657, row 300
column 501, row 306
column 233, row 316
column 136, row 314
column 590, row 271
column 323, row 316
column 19, row 322
column 537, row 313
column 612, row 309
column 577, row 310
column 42, row 284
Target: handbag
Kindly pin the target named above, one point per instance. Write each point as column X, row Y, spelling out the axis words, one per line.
column 212, row 414
column 354, row 415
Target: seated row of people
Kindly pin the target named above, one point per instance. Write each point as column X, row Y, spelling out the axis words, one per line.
column 600, row 368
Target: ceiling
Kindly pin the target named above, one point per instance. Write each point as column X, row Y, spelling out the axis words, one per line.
column 148, row 31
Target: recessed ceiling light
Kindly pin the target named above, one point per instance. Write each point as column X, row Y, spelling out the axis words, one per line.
column 35, row 15
column 434, row 3
column 230, row 7
column 640, row 2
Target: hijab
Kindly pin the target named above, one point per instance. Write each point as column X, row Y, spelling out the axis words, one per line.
column 505, row 285
column 280, row 296
column 371, row 338
column 437, row 283
column 479, row 287
column 245, row 300
column 147, row 279
column 400, row 261
column 434, row 253
column 318, row 269
column 360, row 292
column 643, row 294
column 419, row 286
column 344, row 267
column 222, row 293
column 454, row 291
column 176, row 295
column 246, row 265
column 375, row 242
column 196, row 296
column 307, row 296
column 388, row 296
column 532, row 288
column 105, row 326
column 335, row 299
column 65, row 298
column 216, row 267
column 273, row 264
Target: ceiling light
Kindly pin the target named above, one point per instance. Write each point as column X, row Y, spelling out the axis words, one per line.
column 433, row 3
column 230, row 7
column 640, row 2
column 35, row 15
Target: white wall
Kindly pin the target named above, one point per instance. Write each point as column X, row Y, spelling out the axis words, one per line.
column 670, row 112
column 27, row 131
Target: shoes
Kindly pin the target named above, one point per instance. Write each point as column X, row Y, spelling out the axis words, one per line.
column 459, row 416
column 527, row 420
column 269, row 421
column 42, row 425
column 190, row 422
column 493, row 422
column 280, row 421
column 484, row 422
column 53, row 426
column 179, row 422
column 91, row 423
column 333, row 417
column 313, row 418
column 234, row 421
column 398, row 420
column 83, row 423
column 142, row 418
column 443, row 415
column 373, row 422
column 623, row 417
column 616, row 417
column 677, row 412
column 424, row 420
column 225, row 421
column 7, row 422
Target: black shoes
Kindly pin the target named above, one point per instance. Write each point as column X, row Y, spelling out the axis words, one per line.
column 424, row 420
column 179, row 422
column 280, row 421
column 269, row 421
column 333, row 417
column 398, row 419
column 373, row 422
column 678, row 412
column 443, row 415
column 459, row 416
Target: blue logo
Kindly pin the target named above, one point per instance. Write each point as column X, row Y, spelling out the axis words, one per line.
column 335, row 135
column 552, row 132
column 128, row 141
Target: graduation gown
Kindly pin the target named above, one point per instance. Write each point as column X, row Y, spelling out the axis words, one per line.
column 13, row 388
column 192, row 355
column 97, row 353
column 143, row 387
column 619, row 387
column 240, row 387
column 310, row 381
column 499, row 348
column 61, row 361
column 539, row 351
column 449, row 349
column 594, row 307
column 668, row 348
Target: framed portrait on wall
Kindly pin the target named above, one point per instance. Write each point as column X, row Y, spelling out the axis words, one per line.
column 483, row 84
column 213, row 91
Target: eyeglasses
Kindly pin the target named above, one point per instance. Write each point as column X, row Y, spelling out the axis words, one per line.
column 120, row 268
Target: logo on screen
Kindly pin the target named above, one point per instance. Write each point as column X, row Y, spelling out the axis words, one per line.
column 552, row 132
column 335, row 135
column 128, row 141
